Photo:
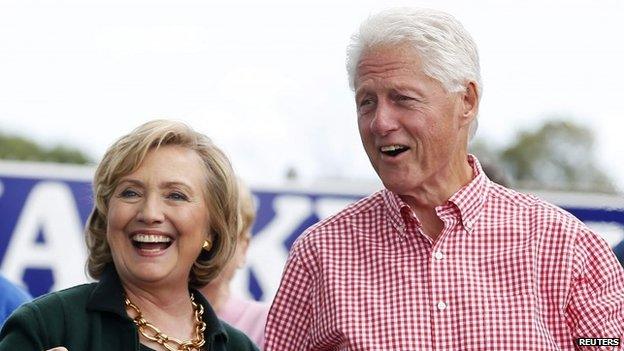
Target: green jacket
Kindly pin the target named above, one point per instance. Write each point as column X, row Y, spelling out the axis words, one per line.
column 92, row 317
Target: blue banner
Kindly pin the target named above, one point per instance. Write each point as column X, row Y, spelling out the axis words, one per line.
column 42, row 216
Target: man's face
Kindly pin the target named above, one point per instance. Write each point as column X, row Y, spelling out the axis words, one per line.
column 412, row 129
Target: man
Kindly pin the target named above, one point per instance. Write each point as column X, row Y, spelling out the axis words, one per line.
column 442, row 258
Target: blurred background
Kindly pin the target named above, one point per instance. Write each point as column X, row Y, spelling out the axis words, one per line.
column 267, row 81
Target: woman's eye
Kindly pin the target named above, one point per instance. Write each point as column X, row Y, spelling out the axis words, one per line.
column 177, row 196
column 128, row 193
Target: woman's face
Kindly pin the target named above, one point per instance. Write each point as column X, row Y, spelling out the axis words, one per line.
column 158, row 218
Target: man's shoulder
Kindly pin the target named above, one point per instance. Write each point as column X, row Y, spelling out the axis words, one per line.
column 535, row 208
column 342, row 219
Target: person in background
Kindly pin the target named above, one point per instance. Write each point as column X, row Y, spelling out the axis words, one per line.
column 442, row 258
column 247, row 315
column 619, row 252
column 164, row 224
column 11, row 297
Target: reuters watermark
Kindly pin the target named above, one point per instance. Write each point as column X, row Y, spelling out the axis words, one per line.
column 598, row 342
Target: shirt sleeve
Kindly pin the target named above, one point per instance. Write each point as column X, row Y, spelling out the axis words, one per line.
column 595, row 307
column 22, row 331
column 289, row 320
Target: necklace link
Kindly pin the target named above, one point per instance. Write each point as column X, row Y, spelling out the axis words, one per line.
column 152, row 333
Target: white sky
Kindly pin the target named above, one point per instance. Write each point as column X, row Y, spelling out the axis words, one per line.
column 266, row 79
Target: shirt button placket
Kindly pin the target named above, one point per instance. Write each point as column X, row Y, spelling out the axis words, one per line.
column 440, row 292
column 438, row 255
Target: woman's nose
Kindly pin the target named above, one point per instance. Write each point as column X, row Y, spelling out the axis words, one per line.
column 151, row 210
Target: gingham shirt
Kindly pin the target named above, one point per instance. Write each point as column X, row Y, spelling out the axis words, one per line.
column 508, row 272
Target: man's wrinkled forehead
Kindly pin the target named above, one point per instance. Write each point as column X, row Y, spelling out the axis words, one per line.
column 387, row 62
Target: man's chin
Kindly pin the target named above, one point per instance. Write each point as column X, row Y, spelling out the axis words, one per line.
column 395, row 184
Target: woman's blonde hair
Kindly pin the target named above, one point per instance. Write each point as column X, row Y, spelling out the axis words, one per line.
column 246, row 210
column 127, row 154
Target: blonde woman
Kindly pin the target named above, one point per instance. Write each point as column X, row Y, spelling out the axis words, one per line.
column 163, row 225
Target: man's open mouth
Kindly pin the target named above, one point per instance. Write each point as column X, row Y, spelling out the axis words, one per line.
column 393, row 150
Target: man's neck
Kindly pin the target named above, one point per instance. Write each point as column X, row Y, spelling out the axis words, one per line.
column 436, row 192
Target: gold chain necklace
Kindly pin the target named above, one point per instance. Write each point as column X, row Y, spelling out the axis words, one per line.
column 151, row 332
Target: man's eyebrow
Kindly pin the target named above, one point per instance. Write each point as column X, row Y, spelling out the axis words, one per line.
column 360, row 91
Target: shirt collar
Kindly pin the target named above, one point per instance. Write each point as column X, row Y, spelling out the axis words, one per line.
column 469, row 200
column 399, row 212
column 108, row 296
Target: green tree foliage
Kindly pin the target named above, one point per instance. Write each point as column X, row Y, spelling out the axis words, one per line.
column 19, row 148
column 559, row 155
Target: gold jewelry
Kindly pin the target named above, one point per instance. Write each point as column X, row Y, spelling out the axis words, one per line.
column 151, row 332
column 207, row 245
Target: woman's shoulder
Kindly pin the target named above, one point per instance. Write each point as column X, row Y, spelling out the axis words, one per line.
column 43, row 321
column 51, row 308
column 71, row 298
column 237, row 340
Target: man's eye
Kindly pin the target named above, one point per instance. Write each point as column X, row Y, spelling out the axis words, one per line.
column 366, row 105
column 404, row 98
column 177, row 196
column 366, row 102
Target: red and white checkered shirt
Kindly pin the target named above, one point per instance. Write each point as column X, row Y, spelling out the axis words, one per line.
column 508, row 272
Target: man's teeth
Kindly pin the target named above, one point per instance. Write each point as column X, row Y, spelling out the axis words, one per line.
column 150, row 238
column 391, row 148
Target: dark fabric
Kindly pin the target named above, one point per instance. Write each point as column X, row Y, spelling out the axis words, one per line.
column 92, row 317
column 619, row 252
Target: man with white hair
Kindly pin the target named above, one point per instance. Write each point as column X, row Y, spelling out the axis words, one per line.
column 442, row 258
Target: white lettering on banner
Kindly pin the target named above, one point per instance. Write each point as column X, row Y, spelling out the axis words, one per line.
column 267, row 253
column 50, row 209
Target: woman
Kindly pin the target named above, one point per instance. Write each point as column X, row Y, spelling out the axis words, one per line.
column 247, row 315
column 164, row 223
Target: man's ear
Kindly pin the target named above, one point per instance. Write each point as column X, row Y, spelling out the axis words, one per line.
column 470, row 103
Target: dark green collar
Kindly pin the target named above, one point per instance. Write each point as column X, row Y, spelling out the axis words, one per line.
column 108, row 296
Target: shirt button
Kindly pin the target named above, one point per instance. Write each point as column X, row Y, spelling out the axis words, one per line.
column 442, row 305
column 438, row 255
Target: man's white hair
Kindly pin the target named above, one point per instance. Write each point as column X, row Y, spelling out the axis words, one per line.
column 446, row 49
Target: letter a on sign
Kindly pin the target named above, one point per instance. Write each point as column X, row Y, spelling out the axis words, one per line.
column 50, row 209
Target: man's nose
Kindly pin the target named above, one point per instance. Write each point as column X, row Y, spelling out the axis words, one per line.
column 385, row 119
column 151, row 210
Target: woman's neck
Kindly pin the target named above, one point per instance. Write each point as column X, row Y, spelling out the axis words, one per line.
column 170, row 312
